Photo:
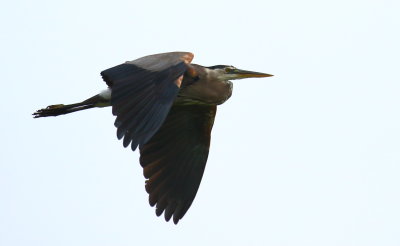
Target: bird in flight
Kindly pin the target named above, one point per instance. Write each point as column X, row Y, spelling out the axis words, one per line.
column 166, row 106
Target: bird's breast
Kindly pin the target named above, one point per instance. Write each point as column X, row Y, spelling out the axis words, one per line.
column 207, row 92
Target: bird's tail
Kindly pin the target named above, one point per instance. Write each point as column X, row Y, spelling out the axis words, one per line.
column 100, row 100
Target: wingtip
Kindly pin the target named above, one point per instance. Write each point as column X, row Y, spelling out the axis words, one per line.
column 176, row 220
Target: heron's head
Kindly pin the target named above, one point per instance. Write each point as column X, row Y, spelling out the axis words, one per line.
column 227, row 72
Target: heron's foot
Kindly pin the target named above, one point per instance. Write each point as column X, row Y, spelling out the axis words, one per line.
column 52, row 110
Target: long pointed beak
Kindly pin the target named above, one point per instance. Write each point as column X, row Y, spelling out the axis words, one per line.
column 249, row 74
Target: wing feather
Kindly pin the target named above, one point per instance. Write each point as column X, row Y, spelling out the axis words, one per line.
column 174, row 159
column 142, row 93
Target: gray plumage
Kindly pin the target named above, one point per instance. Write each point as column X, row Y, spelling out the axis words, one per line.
column 166, row 106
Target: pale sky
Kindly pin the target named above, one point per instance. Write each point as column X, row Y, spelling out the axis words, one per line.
column 308, row 157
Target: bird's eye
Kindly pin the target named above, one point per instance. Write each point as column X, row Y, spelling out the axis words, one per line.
column 228, row 70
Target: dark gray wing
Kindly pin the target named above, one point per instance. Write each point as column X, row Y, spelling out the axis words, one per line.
column 142, row 92
column 174, row 159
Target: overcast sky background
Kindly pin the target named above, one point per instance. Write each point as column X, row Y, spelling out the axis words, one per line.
column 308, row 157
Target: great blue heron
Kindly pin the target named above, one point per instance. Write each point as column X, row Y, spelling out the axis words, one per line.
column 165, row 105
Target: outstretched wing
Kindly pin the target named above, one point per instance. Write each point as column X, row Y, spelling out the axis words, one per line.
column 142, row 92
column 174, row 159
